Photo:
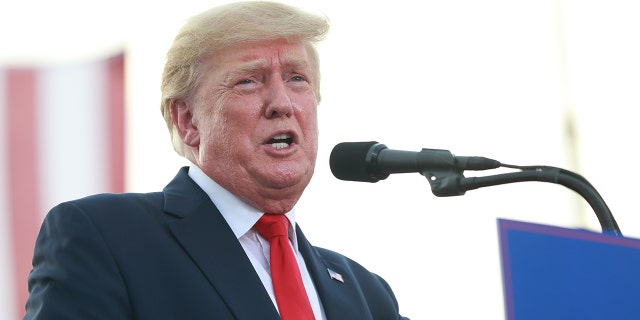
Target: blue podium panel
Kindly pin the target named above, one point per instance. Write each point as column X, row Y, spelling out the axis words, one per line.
column 558, row 273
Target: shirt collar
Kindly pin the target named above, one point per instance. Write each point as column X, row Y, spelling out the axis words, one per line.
column 239, row 215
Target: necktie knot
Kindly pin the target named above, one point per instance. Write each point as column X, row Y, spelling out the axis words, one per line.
column 272, row 225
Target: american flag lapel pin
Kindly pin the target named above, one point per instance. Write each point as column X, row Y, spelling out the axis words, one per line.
column 335, row 276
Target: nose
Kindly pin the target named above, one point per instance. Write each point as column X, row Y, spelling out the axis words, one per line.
column 277, row 100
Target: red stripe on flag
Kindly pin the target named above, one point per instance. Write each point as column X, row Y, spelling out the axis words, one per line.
column 116, row 124
column 22, row 161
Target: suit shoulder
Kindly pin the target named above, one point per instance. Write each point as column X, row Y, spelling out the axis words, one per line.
column 115, row 200
column 112, row 206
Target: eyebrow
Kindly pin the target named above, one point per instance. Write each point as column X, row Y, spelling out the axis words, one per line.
column 244, row 69
column 252, row 66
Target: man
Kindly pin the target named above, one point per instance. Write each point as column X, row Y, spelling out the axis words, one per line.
column 240, row 90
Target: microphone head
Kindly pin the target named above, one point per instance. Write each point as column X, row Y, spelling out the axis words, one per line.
column 355, row 161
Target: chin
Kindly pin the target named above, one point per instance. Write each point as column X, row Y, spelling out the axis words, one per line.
column 285, row 179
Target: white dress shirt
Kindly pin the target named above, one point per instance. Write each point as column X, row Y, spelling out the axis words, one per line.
column 241, row 217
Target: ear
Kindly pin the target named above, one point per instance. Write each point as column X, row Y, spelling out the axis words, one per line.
column 184, row 122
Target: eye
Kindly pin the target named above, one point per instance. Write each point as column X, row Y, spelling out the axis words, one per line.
column 247, row 83
column 299, row 81
column 244, row 81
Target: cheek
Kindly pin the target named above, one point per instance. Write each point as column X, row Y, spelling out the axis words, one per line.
column 310, row 120
column 222, row 114
column 311, row 133
column 307, row 108
column 214, row 127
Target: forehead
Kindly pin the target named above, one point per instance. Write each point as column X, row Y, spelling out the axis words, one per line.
column 262, row 54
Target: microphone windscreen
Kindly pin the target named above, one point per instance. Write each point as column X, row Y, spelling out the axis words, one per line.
column 348, row 161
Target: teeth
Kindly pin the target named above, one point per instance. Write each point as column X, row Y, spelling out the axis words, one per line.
column 281, row 136
column 280, row 145
column 280, row 141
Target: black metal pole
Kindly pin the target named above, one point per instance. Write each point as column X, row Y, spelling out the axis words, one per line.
column 452, row 183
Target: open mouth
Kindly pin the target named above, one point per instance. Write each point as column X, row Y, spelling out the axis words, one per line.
column 281, row 141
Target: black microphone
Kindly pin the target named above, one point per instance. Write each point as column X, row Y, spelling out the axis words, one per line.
column 372, row 161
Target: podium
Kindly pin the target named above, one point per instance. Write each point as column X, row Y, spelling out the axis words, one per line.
column 558, row 273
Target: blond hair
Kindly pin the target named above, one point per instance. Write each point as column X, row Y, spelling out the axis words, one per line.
column 227, row 25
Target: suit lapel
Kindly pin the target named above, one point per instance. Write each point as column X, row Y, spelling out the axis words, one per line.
column 207, row 238
column 340, row 300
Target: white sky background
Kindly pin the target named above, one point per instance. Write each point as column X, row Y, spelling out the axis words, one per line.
column 490, row 78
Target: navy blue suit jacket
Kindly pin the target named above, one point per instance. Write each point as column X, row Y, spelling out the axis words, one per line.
column 171, row 255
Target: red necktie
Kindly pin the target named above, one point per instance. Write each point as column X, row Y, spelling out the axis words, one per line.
column 291, row 296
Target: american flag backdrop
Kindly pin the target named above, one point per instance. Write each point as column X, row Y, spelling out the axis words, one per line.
column 62, row 137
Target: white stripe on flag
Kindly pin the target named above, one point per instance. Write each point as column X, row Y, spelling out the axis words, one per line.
column 63, row 139
column 72, row 133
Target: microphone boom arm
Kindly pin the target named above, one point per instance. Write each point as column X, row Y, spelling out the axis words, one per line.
column 450, row 181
